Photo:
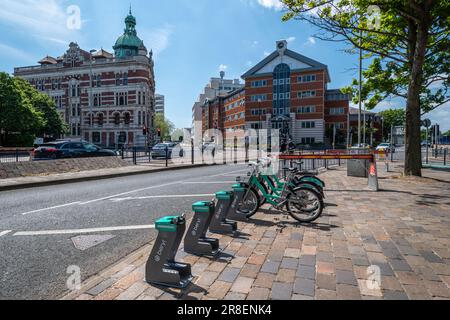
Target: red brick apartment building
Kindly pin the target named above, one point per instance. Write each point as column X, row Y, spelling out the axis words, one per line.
column 285, row 91
column 105, row 98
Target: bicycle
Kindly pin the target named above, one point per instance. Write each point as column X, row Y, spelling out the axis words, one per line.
column 301, row 177
column 303, row 202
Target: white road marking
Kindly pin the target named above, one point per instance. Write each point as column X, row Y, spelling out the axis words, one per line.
column 81, row 231
column 50, row 208
column 4, row 233
column 120, row 194
column 204, row 182
column 158, row 197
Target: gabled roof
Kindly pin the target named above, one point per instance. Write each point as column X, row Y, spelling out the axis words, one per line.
column 102, row 54
column 48, row 60
column 315, row 65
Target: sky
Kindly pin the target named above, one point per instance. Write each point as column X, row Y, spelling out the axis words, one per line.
column 192, row 40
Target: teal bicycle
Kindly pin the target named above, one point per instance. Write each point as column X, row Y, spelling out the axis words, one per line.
column 302, row 201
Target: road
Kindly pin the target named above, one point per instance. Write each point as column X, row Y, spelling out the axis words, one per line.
column 91, row 225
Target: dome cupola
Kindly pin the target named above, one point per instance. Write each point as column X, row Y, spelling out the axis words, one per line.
column 128, row 44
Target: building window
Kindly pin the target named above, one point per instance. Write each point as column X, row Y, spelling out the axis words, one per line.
column 101, row 119
column 306, row 94
column 259, row 97
column 259, row 83
column 308, row 140
column 282, row 89
column 306, row 109
column 99, row 80
column 117, row 119
column 125, row 79
column 308, row 125
column 307, row 78
column 127, row 119
column 118, row 79
column 96, row 137
column 337, row 111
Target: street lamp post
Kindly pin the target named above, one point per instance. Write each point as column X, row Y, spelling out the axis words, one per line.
column 90, row 94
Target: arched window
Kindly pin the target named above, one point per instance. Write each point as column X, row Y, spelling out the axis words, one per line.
column 127, row 118
column 117, row 119
column 101, row 119
column 281, row 89
column 121, row 100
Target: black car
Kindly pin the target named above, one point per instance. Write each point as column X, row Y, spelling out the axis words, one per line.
column 69, row 149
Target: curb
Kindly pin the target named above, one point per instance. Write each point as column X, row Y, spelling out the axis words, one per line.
column 91, row 178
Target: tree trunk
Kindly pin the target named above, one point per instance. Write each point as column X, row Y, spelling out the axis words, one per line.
column 413, row 157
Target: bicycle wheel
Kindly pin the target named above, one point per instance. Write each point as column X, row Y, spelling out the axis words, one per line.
column 304, row 204
column 250, row 204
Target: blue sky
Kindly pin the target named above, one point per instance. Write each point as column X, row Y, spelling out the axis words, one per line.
column 192, row 40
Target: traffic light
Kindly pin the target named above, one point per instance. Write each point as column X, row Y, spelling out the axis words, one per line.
column 159, row 132
column 144, row 131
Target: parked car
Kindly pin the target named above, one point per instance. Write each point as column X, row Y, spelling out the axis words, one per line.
column 425, row 144
column 166, row 149
column 69, row 149
column 385, row 147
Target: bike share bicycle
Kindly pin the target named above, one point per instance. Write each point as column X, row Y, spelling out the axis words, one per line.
column 301, row 200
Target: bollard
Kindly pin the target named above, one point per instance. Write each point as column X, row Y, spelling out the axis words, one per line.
column 219, row 223
column 196, row 242
column 233, row 213
column 161, row 268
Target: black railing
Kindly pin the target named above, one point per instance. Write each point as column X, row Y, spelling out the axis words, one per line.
column 15, row 155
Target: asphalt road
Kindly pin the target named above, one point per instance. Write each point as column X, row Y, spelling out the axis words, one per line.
column 39, row 227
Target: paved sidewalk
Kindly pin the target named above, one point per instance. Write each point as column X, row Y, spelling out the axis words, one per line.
column 403, row 232
column 61, row 178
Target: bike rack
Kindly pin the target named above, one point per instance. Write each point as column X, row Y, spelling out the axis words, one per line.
column 161, row 268
column 219, row 223
column 196, row 242
column 238, row 192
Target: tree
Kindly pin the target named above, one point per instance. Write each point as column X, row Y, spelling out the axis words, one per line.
column 53, row 125
column 447, row 134
column 392, row 118
column 19, row 119
column 408, row 50
column 176, row 134
column 165, row 125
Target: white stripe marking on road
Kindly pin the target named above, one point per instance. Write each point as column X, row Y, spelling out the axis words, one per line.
column 50, row 208
column 158, row 197
column 82, row 231
column 204, row 182
column 4, row 233
column 119, row 195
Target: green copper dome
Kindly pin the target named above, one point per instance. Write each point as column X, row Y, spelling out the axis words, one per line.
column 128, row 44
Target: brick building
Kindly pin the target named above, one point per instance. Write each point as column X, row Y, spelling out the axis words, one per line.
column 285, row 91
column 105, row 98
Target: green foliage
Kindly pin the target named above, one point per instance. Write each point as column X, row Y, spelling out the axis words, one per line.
column 393, row 117
column 176, row 134
column 166, row 126
column 25, row 113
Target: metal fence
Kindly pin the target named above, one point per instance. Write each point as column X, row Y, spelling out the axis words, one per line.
column 15, row 155
column 435, row 156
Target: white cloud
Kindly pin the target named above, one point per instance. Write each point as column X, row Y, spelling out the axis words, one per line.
column 157, row 39
column 249, row 63
column 223, row 67
column 266, row 53
column 271, row 4
column 44, row 19
column 311, row 41
column 290, row 39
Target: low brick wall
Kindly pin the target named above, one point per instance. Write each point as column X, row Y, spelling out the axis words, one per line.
column 36, row 168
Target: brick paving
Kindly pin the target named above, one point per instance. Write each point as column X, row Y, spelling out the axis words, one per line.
column 403, row 232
